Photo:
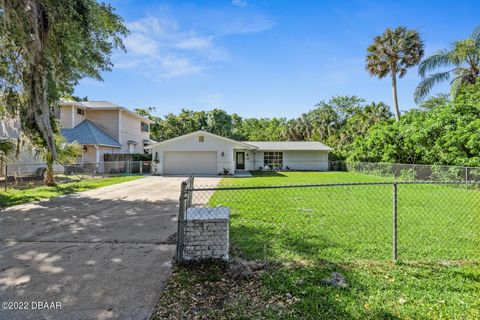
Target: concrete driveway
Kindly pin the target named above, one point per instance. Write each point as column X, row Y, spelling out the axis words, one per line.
column 101, row 254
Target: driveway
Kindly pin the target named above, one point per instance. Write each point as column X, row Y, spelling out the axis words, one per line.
column 101, row 254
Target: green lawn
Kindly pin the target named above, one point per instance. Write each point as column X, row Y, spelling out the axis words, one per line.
column 18, row 196
column 308, row 233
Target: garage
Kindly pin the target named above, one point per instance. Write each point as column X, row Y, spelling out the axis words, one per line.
column 190, row 162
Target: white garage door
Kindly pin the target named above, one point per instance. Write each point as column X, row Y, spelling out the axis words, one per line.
column 190, row 162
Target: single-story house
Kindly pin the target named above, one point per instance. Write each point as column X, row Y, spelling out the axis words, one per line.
column 204, row 153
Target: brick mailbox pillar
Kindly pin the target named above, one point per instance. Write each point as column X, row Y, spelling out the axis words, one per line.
column 206, row 234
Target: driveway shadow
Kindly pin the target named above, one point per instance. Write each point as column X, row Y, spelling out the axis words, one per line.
column 101, row 258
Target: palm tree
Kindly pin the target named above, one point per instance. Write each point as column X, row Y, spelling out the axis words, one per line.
column 376, row 112
column 66, row 154
column 464, row 60
column 392, row 53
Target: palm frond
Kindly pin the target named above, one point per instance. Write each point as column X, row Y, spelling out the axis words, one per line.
column 456, row 85
column 475, row 36
column 424, row 87
column 441, row 58
column 66, row 152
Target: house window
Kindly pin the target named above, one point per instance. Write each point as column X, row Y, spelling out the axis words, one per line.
column 273, row 159
column 80, row 111
column 144, row 127
column 201, row 138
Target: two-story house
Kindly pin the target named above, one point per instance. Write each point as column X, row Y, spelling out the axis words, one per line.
column 106, row 131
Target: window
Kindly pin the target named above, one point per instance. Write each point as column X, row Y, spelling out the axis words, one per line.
column 80, row 111
column 201, row 138
column 273, row 160
column 144, row 127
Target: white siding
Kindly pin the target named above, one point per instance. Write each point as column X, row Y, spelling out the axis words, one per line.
column 191, row 143
column 107, row 120
column 78, row 118
column 299, row 160
column 306, row 160
column 314, row 160
column 249, row 159
column 90, row 156
column 69, row 118
column 130, row 129
column 66, row 118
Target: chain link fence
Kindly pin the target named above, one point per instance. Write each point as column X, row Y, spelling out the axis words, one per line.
column 22, row 176
column 409, row 172
column 409, row 221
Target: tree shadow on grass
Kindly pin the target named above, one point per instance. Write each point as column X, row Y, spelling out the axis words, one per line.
column 298, row 268
column 20, row 196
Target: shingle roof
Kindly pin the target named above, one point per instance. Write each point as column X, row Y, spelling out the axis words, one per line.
column 88, row 133
column 289, row 145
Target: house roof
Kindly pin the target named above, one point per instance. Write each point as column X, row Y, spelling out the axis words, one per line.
column 289, row 145
column 240, row 143
column 104, row 105
column 260, row 145
column 88, row 133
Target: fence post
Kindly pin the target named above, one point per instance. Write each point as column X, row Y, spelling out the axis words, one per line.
column 181, row 222
column 141, row 167
column 6, row 177
column 190, row 193
column 394, row 222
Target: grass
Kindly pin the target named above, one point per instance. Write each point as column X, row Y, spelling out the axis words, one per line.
column 308, row 233
column 434, row 221
column 18, row 196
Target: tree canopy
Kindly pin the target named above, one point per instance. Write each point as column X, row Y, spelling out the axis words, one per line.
column 336, row 121
column 448, row 134
column 47, row 46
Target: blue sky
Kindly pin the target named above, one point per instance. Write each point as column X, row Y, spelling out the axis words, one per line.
column 265, row 58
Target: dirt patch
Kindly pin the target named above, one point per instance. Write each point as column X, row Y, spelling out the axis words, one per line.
column 216, row 290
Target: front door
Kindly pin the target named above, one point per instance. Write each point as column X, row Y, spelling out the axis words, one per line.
column 240, row 161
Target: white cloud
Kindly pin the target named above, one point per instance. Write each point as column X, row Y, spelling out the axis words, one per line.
column 141, row 44
column 176, row 66
column 239, row 3
column 160, row 47
column 194, row 42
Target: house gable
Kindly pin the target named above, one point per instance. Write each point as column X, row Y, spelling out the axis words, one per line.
column 209, row 140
